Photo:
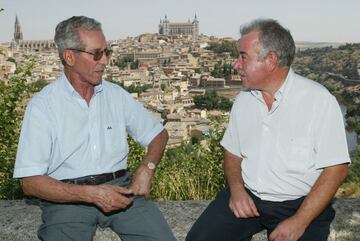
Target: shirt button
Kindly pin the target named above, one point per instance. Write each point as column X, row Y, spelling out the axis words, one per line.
column 94, row 147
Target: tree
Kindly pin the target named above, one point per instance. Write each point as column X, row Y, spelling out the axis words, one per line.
column 163, row 86
column 11, row 59
column 210, row 100
column 12, row 98
column 221, row 70
column 354, row 173
column 123, row 63
column 224, row 46
column 134, row 64
column 37, row 85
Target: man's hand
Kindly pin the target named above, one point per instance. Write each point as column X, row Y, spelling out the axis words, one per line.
column 110, row 197
column 141, row 181
column 242, row 205
column 288, row 230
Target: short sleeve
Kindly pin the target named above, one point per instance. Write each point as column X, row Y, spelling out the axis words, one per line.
column 34, row 148
column 140, row 123
column 231, row 141
column 331, row 147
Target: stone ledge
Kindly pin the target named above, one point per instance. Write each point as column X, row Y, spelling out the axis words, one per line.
column 19, row 221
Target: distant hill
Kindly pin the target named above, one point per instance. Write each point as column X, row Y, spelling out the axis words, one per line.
column 343, row 60
column 301, row 45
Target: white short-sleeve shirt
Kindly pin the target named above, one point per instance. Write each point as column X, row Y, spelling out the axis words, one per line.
column 63, row 137
column 284, row 150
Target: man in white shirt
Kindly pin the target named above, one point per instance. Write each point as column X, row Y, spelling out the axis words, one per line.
column 285, row 148
column 73, row 148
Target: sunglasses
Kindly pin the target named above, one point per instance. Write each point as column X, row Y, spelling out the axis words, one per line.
column 97, row 55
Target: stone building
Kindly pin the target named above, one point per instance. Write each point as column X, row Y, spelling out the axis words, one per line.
column 19, row 43
column 179, row 28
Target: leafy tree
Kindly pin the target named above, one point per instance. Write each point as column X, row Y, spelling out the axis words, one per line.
column 224, row 46
column 37, row 85
column 12, row 98
column 11, row 59
column 221, row 70
column 354, row 173
column 123, row 63
column 210, row 101
column 224, row 104
column 138, row 88
column 163, row 86
column 134, row 64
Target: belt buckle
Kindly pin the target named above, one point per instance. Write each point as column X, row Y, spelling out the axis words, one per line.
column 92, row 180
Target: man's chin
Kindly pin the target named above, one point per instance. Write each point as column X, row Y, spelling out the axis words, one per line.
column 245, row 84
column 96, row 81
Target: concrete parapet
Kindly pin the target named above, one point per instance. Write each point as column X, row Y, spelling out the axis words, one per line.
column 19, row 221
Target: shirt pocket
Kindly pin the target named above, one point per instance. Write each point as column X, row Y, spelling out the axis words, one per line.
column 115, row 140
column 299, row 157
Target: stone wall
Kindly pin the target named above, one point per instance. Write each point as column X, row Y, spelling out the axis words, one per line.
column 19, row 221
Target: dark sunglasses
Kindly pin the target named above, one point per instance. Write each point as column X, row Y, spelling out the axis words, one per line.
column 97, row 54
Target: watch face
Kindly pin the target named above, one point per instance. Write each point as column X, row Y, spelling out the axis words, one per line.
column 151, row 165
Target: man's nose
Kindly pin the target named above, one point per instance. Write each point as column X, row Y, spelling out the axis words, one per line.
column 237, row 64
column 104, row 59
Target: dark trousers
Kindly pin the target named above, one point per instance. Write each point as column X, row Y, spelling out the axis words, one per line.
column 218, row 223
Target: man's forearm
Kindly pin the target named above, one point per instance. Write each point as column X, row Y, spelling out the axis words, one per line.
column 50, row 189
column 232, row 170
column 321, row 194
column 107, row 197
column 240, row 203
column 141, row 182
column 156, row 147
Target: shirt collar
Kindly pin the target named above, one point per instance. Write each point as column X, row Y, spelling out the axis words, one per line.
column 282, row 91
column 70, row 89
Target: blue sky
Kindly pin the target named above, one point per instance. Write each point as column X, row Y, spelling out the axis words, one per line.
column 308, row 20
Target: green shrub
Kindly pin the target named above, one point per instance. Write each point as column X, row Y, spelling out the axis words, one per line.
column 354, row 173
column 12, row 98
column 187, row 172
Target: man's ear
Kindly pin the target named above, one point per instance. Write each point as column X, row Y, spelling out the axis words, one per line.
column 69, row 57
column 272, row 60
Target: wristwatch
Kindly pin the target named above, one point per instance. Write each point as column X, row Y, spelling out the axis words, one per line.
column 151, row 165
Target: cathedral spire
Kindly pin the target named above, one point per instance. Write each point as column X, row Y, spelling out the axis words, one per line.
column 17, row 31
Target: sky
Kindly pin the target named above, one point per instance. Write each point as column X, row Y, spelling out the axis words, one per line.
column 308, row 20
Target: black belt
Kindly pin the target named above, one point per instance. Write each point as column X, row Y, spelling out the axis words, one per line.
column 96, row 179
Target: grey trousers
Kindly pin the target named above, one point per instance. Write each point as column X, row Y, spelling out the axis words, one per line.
column 143, row 221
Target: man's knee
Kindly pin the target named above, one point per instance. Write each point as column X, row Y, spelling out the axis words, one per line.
column 142, row 221
column 66, row 232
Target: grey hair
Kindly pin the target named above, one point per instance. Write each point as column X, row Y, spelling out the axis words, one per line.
column 67, row 35
column 273, row 38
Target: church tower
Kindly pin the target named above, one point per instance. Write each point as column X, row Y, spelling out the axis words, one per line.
column 195, row 31
column 17, row 32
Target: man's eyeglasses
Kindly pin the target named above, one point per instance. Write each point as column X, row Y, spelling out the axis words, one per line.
column 97, row 54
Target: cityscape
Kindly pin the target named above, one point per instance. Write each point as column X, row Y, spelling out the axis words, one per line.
column 173, row 65
column 165, row 71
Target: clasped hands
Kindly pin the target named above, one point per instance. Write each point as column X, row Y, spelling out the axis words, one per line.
column 111, row 197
